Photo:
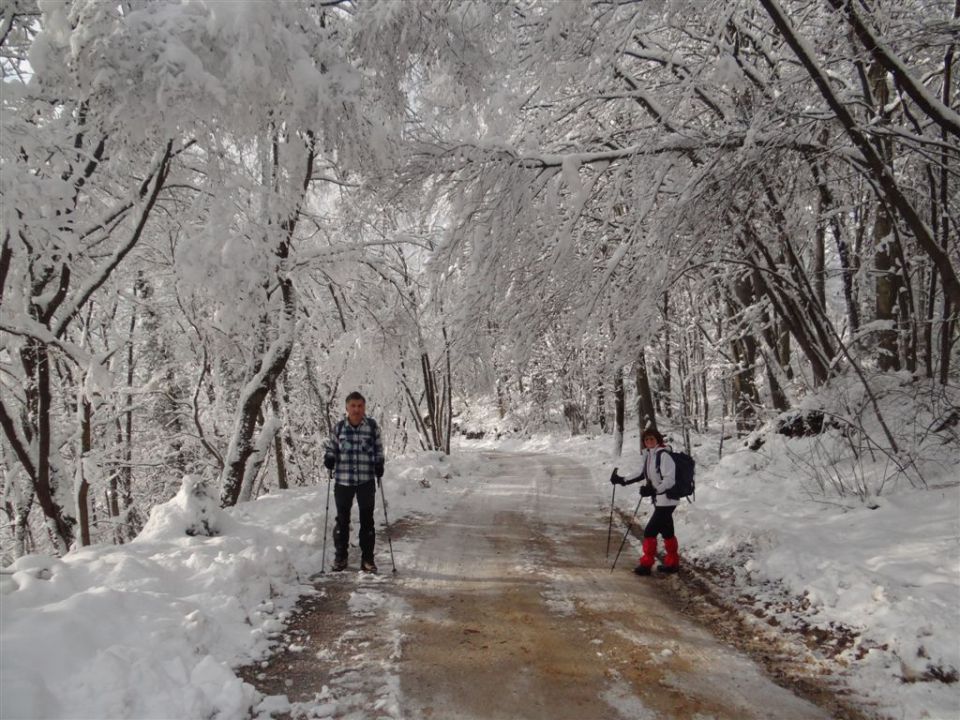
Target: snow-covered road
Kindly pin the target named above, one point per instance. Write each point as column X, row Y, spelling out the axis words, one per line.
column 505, row 608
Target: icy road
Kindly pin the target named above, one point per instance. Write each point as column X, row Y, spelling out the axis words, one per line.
column 506, row 608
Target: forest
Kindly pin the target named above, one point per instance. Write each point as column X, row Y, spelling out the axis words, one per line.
column 495, row 217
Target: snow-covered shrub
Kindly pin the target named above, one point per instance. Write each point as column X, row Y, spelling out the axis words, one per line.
column 194, row 510
column 858, row 449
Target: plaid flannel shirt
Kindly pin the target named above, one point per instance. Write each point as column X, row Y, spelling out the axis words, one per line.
column 356, row 450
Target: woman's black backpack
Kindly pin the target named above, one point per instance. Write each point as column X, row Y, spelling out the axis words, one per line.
column 683, row 482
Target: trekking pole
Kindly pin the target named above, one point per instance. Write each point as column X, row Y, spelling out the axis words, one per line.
column 629, row 528
column 383, row 501
column 326, row 515
column 613, row 496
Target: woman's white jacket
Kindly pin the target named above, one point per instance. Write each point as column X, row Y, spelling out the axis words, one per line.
column 661, row 481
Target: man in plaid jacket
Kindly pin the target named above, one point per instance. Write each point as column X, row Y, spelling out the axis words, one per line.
column 354, row 453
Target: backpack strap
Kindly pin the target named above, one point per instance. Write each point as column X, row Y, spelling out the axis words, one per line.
column 338, row 428
column 660, row 452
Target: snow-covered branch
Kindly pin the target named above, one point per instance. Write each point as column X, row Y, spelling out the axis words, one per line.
column 149, row 194
column 941, row 114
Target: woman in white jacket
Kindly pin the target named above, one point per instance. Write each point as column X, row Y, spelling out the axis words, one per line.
column 658, row 481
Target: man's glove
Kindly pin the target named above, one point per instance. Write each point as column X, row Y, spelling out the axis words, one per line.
column 646, row 490
column 329, row 462
column 378, row 470
column 617, row 479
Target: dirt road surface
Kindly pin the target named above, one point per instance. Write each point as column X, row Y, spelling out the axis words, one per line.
column 505, row 608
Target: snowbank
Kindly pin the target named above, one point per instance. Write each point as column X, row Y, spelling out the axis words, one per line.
column 887, row 566
column 148, row 630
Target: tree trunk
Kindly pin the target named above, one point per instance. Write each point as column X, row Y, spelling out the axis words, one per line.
column 888, row 280
column 601, row 407
column 646, row 415
column 17, row 507
column 278, row 441
column 124, row 475
column 777, row 396
column 783, row 350
column 685, row 387
column 430, row 396
column 746, row 397
column 265, row 374
column 695, row 367
column 21, row 528
column 776, row 356
column 539, row 394
column 704, row 396
column 502, row 408
column 887, row 289
column 291, row 448
column 60, row 522
column 683, row 378
column 113, row 490
column 820, row 263
column 667, row 361
column 83, row 488
column 848, row 261
column 261, row 448
column 448, row 427
column 572, row 409
column 619, row 411
column 948, row 327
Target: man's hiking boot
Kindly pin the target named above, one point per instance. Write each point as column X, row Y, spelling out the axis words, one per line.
column 339, row 565
column 368, row 566
column 668, row 568
column 642, row 570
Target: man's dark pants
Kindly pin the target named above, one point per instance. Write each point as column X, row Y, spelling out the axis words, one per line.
column 343, row 495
